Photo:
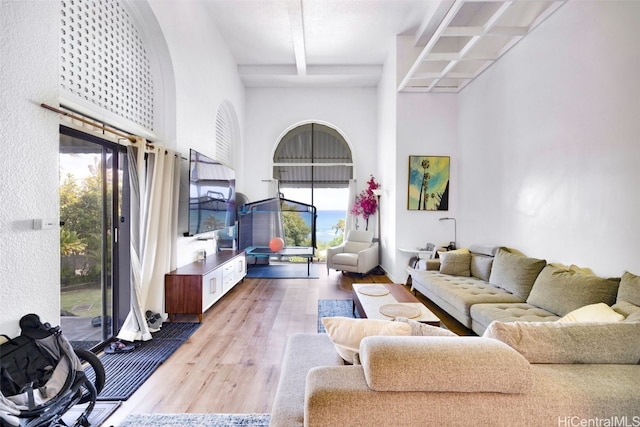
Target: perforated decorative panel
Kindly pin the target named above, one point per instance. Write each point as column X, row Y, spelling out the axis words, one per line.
column 224, row 135
column 103, row 59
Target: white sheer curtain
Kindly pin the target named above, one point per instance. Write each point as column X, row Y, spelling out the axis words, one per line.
column 350, row 221
column 155, row 179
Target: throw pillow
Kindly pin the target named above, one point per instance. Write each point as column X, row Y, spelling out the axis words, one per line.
column 633, row 318
column 599, row 312
column 560, row 290
column 454, row 251
column 423, row 330
column 459, row 251
column 481, row 266
column 515, row 273
column 629, row 288
column 456, row 264
column 626, row 308
column 553, row 342
column 346, row 333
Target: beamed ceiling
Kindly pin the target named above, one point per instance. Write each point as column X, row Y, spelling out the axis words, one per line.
column 442, row 45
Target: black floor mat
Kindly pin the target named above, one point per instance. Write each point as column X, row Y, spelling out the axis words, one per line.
column 125, row 372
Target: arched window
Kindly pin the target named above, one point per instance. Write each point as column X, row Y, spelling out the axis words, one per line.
column 313, row 156
column 313, row 164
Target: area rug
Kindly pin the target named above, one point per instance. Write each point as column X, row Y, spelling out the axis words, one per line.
column 283, row 271
column 126, row 372
column 333, row 308
column 196, row 420
column 100, row 413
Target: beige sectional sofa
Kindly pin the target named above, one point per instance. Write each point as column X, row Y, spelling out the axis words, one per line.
column 484, row 284
column 517, row 374
column 541, row 359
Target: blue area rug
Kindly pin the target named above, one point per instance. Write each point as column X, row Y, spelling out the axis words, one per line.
column 283, row 271
column 125, row 372
column 333, row 308
column 196, row 420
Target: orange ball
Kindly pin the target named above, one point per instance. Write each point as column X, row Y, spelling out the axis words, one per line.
column 276, row 244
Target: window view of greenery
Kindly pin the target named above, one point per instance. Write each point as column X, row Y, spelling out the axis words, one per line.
column 82, row 201
column 331, row 206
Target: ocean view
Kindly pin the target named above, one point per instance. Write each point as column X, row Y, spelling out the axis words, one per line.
column 324, row 222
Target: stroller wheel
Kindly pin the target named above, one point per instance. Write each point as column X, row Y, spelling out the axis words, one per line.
column 94, row 372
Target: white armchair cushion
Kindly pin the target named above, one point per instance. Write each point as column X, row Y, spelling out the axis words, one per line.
column 355, row 247
column 346, row 259
column 359, row 236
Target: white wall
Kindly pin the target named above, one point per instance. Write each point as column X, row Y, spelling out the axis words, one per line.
column 426, row 126
column 29, row 259
column 270, row 113
column 206, row 76
column 549, row 152
column 387, row 155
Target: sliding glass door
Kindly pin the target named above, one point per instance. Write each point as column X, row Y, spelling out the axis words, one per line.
column 94, row 238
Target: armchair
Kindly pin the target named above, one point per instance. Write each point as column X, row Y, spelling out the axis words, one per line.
column 357, row 254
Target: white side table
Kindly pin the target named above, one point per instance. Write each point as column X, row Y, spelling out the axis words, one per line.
column 419, row 254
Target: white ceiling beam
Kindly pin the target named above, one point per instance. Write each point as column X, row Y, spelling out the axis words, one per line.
column 430, row 22
column 316, row 76
column 432, row 41
column 296, row 20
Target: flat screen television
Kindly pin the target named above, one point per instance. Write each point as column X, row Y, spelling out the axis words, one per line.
column 212, row 194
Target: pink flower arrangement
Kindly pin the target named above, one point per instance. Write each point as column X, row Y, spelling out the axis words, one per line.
column 366, row 202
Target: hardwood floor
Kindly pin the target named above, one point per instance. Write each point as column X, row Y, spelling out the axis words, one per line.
column 231, row 364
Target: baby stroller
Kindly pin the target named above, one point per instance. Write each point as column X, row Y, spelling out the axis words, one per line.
column 42, row 377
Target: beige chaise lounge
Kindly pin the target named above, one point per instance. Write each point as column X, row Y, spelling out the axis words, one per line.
column 518, row 374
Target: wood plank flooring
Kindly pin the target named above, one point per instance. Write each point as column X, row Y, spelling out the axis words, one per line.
column 231, row 364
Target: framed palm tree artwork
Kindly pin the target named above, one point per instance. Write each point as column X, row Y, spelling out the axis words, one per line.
column 428, row 183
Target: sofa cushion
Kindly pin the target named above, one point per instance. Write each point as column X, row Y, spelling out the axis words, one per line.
column 484, row 250
column 456, row 264
column 629, row 289
column 484, row 314
column 441, row 364
column 302, row 353
column 346, row 333
column 481, row 266
column 553, row 342
column 561, row 290
column 599, row 312
column 514, row 272
column 460, row 293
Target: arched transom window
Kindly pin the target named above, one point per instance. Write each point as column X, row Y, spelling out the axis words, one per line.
column 313, row 156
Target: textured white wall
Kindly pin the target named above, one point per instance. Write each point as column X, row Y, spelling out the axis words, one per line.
column 29, row 259
column 549, row 152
